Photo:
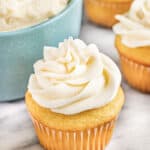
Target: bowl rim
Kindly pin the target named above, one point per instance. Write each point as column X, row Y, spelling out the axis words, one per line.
column 41, row 24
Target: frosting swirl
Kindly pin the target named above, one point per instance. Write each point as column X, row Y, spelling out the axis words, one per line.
column 73, row 78
column 16, row 14
column 134, row 26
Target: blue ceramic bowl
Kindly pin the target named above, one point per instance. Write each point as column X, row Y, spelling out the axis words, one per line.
column 20, row 49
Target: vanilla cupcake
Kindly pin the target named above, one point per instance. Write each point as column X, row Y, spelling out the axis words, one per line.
column 74, row 97
column 103, row 12
column 133, row 44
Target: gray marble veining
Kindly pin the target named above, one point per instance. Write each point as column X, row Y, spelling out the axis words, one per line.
column 132, row 129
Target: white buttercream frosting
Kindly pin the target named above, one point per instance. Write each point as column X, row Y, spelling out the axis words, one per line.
column 73, row 78
column 134, row 26
column 16, row 14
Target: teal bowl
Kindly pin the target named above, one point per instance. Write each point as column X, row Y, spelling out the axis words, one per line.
column 20, row 49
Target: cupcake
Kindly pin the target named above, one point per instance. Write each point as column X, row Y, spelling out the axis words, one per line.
column 74, row 97
column 103, row 12
column 133, row 44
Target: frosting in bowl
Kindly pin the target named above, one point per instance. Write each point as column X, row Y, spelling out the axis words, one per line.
column 134, row 26
column 73, row 78
column 17, row 14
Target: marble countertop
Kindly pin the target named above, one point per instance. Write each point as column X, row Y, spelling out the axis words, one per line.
column 133, row 127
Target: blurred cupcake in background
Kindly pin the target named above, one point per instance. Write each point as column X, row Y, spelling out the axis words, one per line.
column 133, row 44
column 74, row 97
column 103, row 12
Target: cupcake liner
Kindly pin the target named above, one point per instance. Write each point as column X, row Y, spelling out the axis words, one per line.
column 137, row 75
column 90, row 139
column 103, row 12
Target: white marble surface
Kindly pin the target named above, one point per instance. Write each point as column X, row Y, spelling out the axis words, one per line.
column 133, row 127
